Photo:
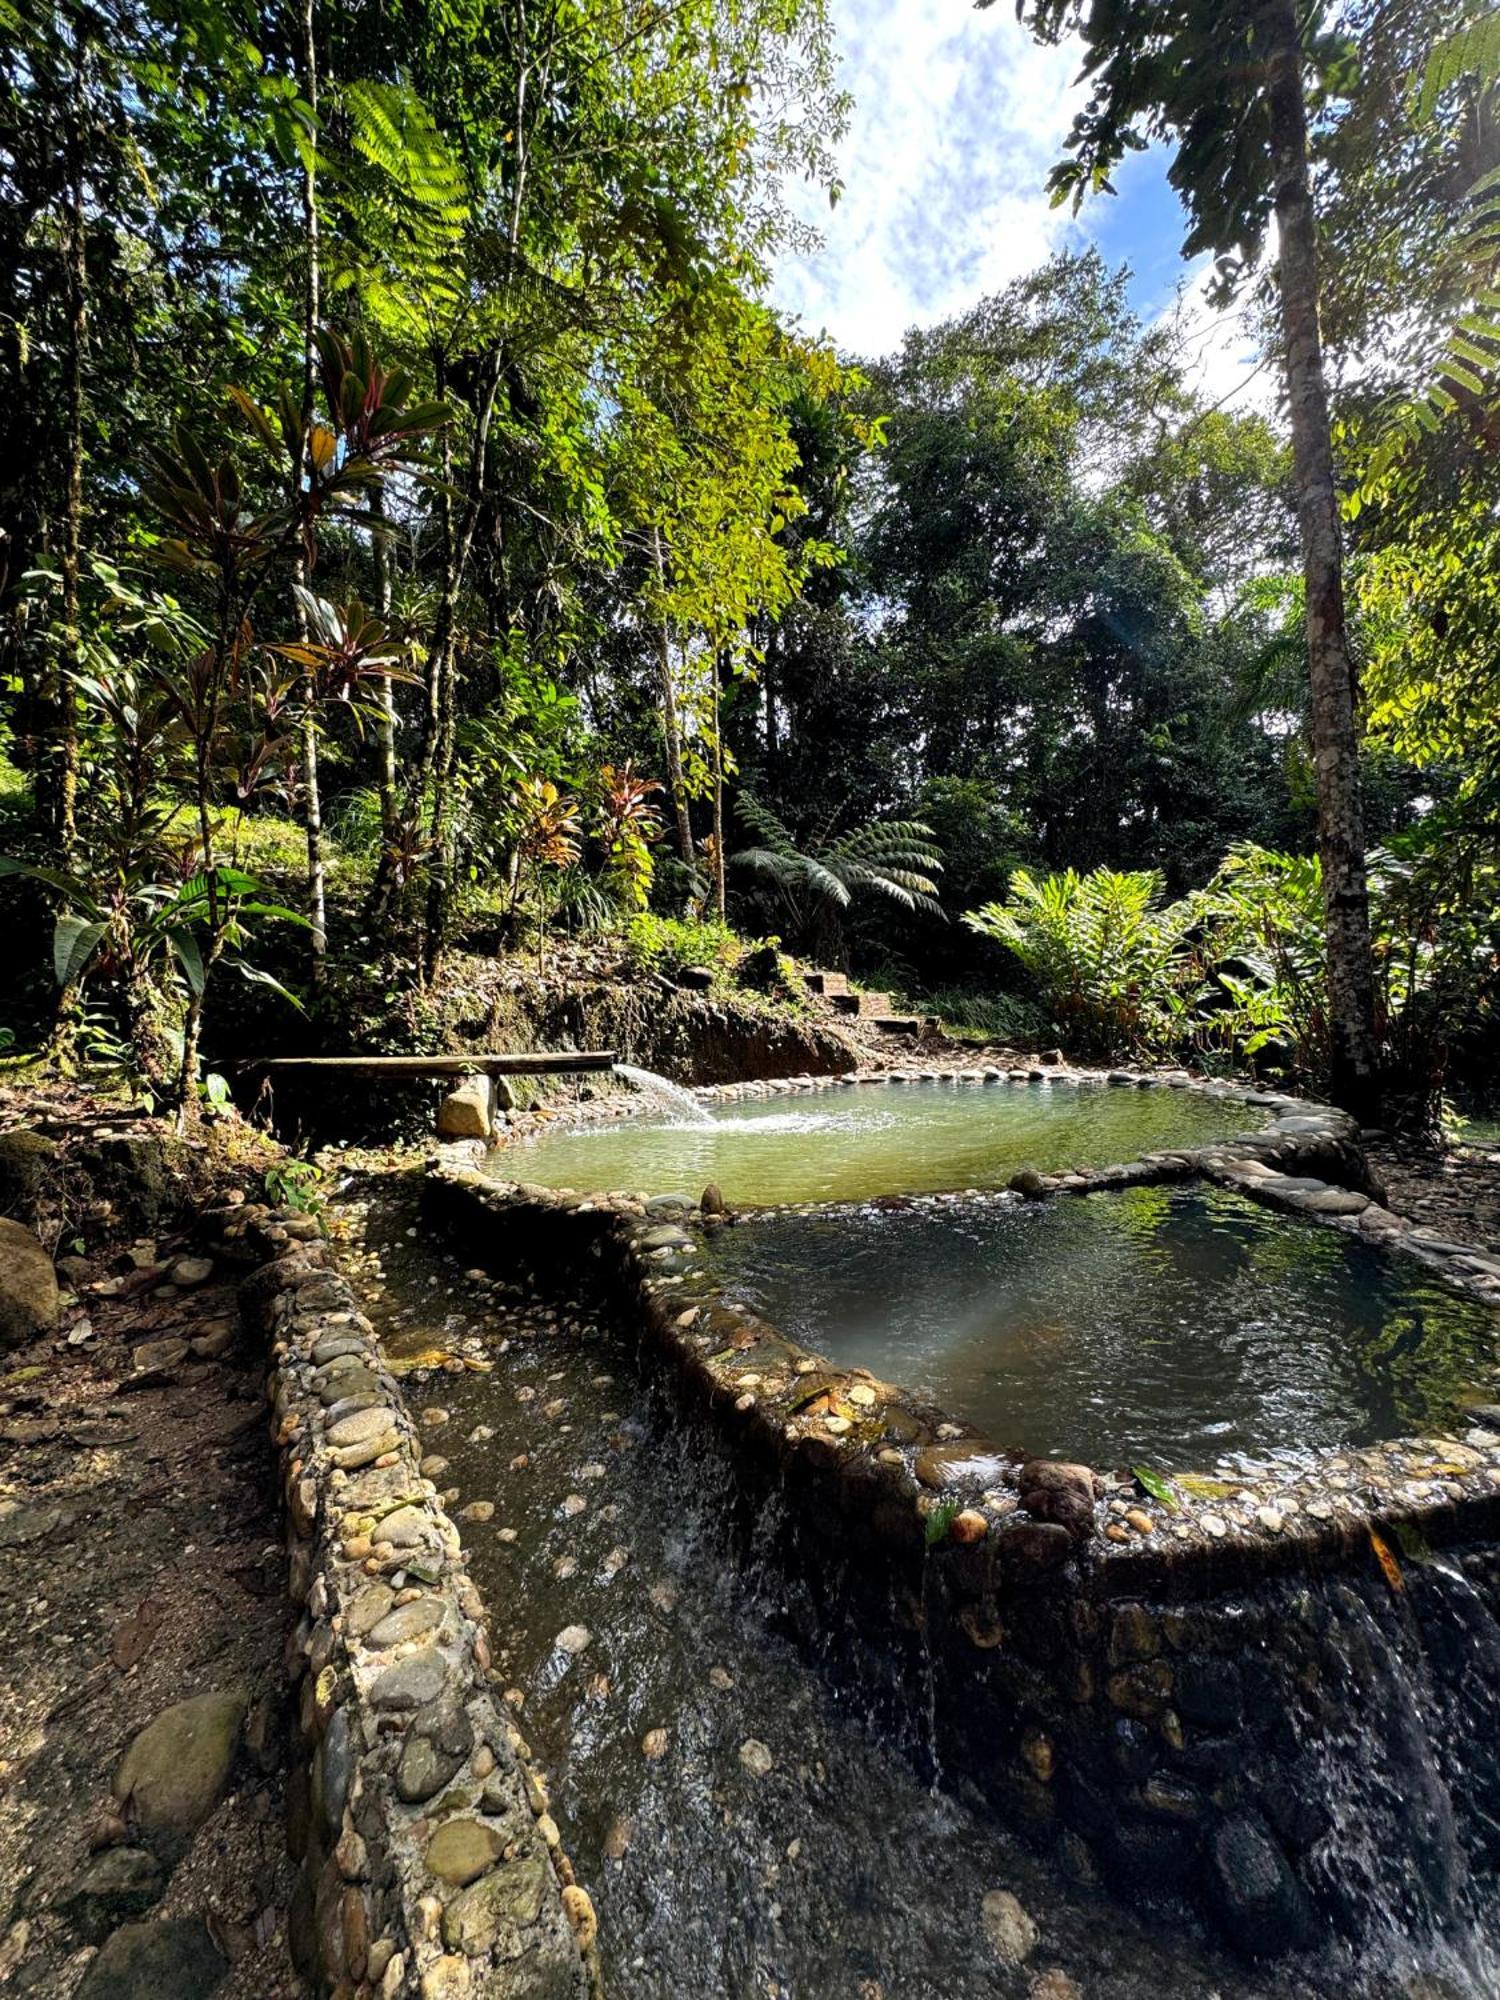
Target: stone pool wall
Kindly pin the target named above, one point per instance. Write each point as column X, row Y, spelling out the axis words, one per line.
column 430, row 1867
column 1154, row 1685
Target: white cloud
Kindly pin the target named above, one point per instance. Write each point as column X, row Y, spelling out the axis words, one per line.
column 957, row 117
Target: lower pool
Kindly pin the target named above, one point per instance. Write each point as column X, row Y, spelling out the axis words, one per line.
column 1160, row 1326
column 868, row 1139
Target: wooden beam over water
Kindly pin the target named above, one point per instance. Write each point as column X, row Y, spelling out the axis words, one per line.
column 547, row 1063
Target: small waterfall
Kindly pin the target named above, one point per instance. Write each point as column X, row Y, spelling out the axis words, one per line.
column 671, row 1096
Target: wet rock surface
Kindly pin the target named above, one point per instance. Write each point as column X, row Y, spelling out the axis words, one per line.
column 775, row 1839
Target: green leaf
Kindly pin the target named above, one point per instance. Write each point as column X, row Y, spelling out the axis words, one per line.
column 1154, row 1484
column 74, row 942
column 185, row 949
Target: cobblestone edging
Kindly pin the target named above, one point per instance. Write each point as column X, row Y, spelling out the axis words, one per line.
column 430, row 1868
column 1122, row 1675
column 982, row 1068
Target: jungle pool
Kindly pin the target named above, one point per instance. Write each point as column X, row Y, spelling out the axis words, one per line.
column 1175, row 1328
column 841, row 1145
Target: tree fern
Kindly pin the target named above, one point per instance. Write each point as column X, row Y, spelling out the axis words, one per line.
column 895, row 859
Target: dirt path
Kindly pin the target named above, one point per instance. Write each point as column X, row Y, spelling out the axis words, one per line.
column 141, row 1566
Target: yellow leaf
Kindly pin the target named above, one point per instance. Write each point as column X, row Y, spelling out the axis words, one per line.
column 1385, row 1555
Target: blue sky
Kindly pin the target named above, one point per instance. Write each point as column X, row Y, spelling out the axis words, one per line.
column 957, row 117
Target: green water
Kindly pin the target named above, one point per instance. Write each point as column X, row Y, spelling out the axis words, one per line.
column 870, row 1139
column 1167, row 1327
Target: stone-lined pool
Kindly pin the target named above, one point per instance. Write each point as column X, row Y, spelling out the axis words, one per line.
column 1175, row 1328
column 842, row 1145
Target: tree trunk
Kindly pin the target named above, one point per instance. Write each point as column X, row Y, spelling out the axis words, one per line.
column 317, row 912
column 1353, row 1061
column 721, row 899
column 671, row 727
column 66, row 803
column 386, row 727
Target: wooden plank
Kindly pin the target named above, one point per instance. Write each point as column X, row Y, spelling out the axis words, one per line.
column 548, row 1063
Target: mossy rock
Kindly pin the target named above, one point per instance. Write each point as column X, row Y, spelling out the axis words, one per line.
column 141, row 1175
column 26, row 1160
column 176, row 1957
column 176, row 1770
column 29, row 1303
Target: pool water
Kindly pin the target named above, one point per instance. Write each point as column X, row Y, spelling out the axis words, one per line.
column 869, row 1139
column 1154, row 1326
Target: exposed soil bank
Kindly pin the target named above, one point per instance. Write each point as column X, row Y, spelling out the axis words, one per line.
column 141, row 1567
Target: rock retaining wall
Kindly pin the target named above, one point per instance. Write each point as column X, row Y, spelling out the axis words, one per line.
column 1134, row 1680
column 429, row 1864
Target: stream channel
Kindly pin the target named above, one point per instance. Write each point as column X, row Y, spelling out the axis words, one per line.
column 746, row 1829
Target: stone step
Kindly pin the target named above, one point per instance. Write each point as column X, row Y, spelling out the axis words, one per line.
column 864, row 1005
column 896, row 1024
column 827, row 983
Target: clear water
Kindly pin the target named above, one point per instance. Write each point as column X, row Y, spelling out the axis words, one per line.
column 1168, row 1327
column 838, row 1875
column 870, row 1139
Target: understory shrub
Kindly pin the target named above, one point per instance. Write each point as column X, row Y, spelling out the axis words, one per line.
column 1236, row 972
column 666, row 944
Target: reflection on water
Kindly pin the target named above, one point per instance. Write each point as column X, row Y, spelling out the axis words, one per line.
column 848, row 1145
column 1160, row 1326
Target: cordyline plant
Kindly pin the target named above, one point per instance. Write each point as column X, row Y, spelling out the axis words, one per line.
column 211, row 709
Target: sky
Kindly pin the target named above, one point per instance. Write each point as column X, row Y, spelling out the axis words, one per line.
column 957, row 117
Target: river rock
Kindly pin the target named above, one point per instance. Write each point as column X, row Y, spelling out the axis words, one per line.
column 943, row 1467
column 492, row 1915
column 188, row 1272
column 113, row 1886
column 29, row 1303
column 462, row 1849
column 665, row 1236
column 1254, row 1894
column 25, row 1161
column 175, row 1772
column 175, row 1957
column 434, row 1753
column 1011, row 1932
column 756, row 1757
column 411, row 1683
column 1052, row 1490
column 1029, row 1184
column 408, row 1621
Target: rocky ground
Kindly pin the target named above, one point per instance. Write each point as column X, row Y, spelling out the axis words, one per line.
column 143, row 1614
column 1452, row 1190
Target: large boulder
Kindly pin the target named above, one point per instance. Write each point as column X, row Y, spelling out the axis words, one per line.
column 28, row 1287
column 468, row 1111
column 175, row 1772
column 26, row 1159
column 175, row 1958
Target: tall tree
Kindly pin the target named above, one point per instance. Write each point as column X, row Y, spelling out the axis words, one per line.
column 1228, row 86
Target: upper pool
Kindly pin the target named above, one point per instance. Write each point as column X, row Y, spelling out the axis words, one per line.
column 850, row 1144
column 1166, row 1326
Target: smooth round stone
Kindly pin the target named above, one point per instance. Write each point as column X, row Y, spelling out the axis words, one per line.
column 462, row 1849
column 1011, row 1932
column 756, row 1757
